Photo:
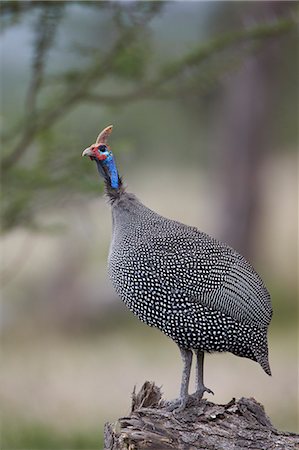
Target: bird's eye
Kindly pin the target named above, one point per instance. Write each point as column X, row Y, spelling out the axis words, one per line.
column 102, row 148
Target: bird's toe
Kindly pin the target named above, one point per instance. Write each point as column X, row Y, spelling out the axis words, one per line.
column 178, row 405
column 197, row 396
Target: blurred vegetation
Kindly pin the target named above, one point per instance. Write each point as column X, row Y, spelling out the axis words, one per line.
column 122, row 69
column 41, row 437
column 204, row 99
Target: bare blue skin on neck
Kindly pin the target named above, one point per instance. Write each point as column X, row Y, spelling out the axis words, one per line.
column 110, row 163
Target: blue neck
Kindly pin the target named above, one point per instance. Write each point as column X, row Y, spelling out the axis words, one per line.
column 114, row 179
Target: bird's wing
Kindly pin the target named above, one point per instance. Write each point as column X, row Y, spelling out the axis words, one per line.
column 206, row 270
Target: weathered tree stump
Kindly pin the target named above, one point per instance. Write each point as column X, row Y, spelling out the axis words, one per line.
column 238, row 425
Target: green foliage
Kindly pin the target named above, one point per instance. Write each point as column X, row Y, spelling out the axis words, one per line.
column 44, row 181
column 131, row 62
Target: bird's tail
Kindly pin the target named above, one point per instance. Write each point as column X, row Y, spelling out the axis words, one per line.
column 261, row 352
column 264, row 362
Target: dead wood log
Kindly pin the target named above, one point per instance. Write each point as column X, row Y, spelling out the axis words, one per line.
column 239, row 425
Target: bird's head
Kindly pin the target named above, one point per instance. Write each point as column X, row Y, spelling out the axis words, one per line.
column 100, row 153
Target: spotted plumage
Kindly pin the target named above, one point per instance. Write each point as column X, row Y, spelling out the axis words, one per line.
column 195, row 289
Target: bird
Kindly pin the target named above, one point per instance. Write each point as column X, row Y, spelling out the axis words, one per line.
column 198, row 291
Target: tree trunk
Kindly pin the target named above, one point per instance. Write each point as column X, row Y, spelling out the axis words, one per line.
column 238, row 425
column 245, row 123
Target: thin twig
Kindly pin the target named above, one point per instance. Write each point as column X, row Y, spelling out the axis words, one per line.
column 47, row 23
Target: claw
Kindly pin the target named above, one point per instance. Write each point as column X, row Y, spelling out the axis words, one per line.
column 199, row 393
column 209, row 391
column 178, row 405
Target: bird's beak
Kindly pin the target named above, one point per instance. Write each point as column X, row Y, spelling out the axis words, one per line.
column 87, row 152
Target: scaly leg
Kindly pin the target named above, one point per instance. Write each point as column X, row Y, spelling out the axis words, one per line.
column 181, row 403
column 200, row 387
column 187, row 361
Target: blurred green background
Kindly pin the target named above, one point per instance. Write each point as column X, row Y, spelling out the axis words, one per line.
column 204, row 100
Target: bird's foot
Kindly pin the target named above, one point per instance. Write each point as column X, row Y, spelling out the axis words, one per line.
column 197, row 396
column 178, row 405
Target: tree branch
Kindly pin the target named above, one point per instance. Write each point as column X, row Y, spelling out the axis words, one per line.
column 47, row 23
column 44, row 119
column 235, row 426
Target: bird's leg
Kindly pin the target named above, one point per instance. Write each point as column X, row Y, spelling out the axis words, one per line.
column 200, row 387
column 187, row 361
column 181, row 403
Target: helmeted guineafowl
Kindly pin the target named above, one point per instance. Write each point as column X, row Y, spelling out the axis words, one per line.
column 197, row 290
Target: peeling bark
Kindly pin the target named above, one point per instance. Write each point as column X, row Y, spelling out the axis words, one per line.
column 239, row 425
